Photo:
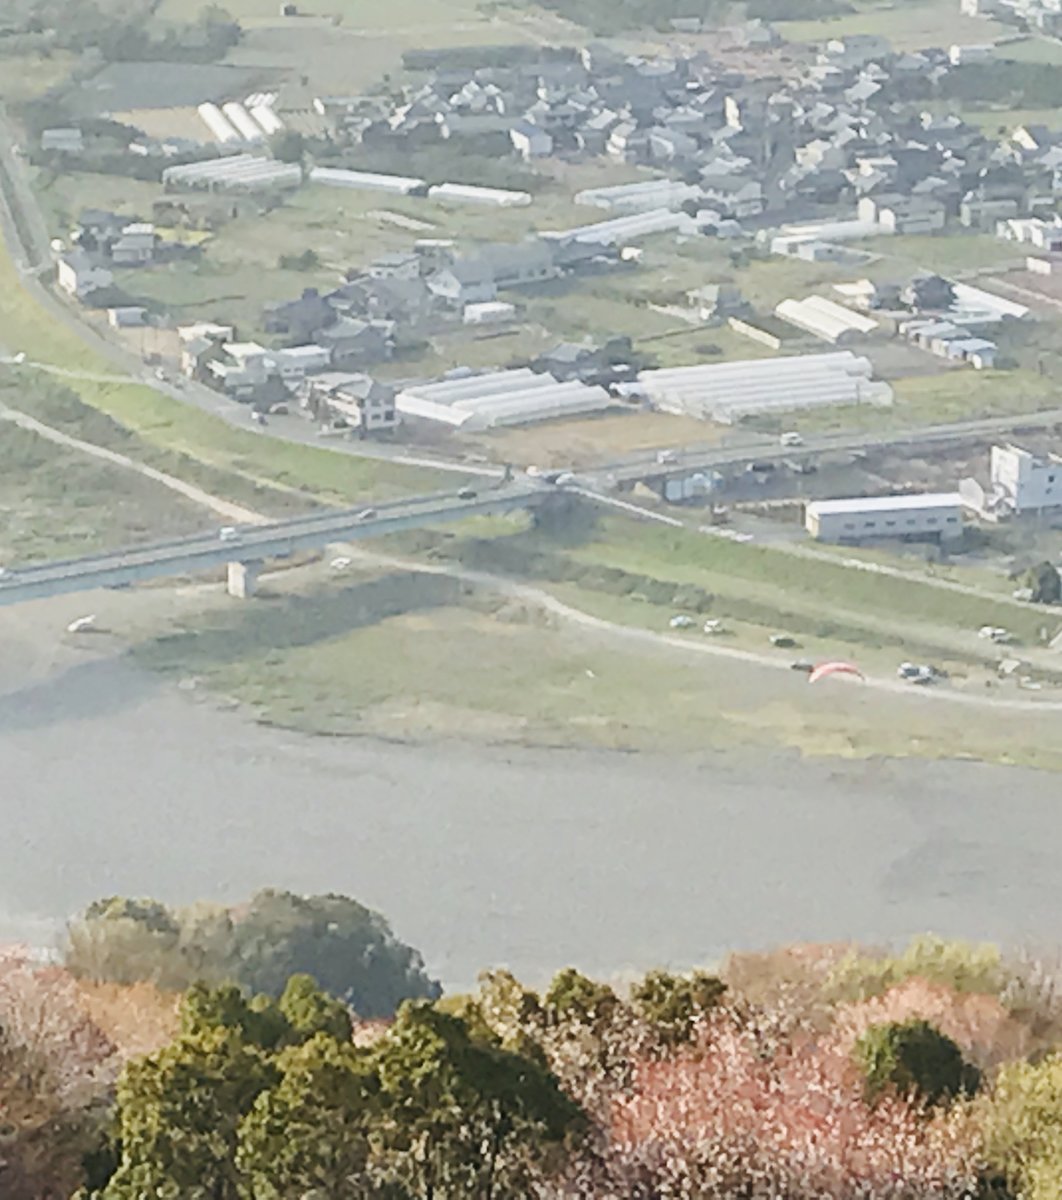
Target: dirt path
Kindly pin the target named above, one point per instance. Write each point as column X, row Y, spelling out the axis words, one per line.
column 224, row 508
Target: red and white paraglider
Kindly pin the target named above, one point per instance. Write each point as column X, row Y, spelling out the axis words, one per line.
column 825, row 670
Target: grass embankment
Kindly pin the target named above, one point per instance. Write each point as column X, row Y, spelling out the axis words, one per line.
column 57, row 502
column 176, row 428
column 403, row 654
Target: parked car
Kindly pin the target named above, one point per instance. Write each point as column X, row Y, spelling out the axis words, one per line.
column 783, row 640
column 764, row 467
column 228, row 533
column 666, row 456
column 681, row 622
column 792, row 438
column 366, row 514
column 713, row 625
column 802, row 664
column 466, row 494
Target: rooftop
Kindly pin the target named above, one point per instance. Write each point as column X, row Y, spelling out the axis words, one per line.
column 864, row 504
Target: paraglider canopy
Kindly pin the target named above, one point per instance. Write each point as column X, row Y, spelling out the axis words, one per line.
column 824, row 670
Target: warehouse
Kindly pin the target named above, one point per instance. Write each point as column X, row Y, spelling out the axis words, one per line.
column 640, row 197
column 729, row 391
column 824, row 319
column 934, row 516
column 237, row 172
column 366, row 181
column 621, row 230
column 466, row 193
column 517, row 397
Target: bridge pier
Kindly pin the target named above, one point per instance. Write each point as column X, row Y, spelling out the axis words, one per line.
column 243, row 579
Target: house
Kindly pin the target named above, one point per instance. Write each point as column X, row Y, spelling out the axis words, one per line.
column 530, row 140
column 129, row 317
column 351, row 341
column 300, row 319
column 613, row 361
column 897, row 213
column 466, row 280
column 79, row 276
column 401, row 265
column 197, row 353
column 240, row 369
column 478, row 277
column 135, row 247
column 62, row 141
column 716, row 301
column 296, row 362
column 978, row 212
column 361, row 401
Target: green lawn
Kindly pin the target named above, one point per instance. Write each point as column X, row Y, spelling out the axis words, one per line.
column 945, row 253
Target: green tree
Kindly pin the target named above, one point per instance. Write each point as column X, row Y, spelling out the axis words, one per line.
column 179, row 1113
column 1022, row 1123
column 258, row 1021
column 573, row 997
column 461, row 1118
column 1045, row 583
column 672, row 1004
column 288, row 146
column 309, row 1011
column 311, row 1130
column 913, row 1058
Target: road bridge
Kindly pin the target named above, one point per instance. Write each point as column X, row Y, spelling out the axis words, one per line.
column 244, row 548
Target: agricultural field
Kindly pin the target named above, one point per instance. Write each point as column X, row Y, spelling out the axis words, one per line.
column 911, row 26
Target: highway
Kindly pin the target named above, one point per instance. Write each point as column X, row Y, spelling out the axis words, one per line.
column 252, row 544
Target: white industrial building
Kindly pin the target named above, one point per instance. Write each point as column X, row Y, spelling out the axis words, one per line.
column 466, row 193
column 221, row 128
column 729, row 391
column 237, row 172
column 622, row 230
column 826, row 320
column 366, row 181
column 933, row 516
column 242, row 121
column 786, row 239
column 483, row 401
column 640, row 197
column 1020, row 483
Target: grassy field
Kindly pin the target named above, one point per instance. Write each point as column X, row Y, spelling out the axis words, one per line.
column 907, row 26
column 405, row 656
column 1002, row 121
column 946, row 254
column 58, row 503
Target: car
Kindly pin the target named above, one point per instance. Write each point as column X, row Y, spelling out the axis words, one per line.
column 341, row 563
column 666, row 456
column 565, row 478
column 802, row 664
column 763, row 467
column 466, row 494
column 279, row 410
column 82, row 624
column 907, row 670
column 783, row 640
column 228, row 533
column 792, row 438
column 713, row 625
column 367, row 514
column 681, row 622
column 160, row 374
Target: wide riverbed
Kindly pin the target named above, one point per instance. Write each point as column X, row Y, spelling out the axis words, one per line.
column 113, row 781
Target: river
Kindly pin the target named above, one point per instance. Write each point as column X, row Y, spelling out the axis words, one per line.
column 115, row 781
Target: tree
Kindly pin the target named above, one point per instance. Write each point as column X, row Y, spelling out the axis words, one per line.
column 1045, row 583
column 913, row 1058
column 672, row 1004
column 309, row 1011
column 573, row 997
column 288, row 146
column 1022, row 1122
column 311, row 1130
column 460, row 1117
column 349, row 950
column 178, row 1116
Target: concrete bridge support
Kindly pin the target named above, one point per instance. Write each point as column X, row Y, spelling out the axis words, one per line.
column 243, row 579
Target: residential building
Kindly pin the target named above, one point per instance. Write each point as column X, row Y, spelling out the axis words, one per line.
column 353, row 342
column 79, row 276
column 716, row 301
column 127, row 317
column 135, row 246
column 530, row 140
column 927, row 517
column 361, row 401
column 297, row 362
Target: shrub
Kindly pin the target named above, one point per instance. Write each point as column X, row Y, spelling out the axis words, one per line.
column 912, row 1058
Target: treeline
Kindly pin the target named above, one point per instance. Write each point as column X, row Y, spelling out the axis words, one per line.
column 810, row 1072
column 347, row 948
column 606, row 17
column 127, row 32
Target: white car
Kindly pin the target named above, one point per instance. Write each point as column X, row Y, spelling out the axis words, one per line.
column 713, row 625
column 792, row 438
column 681, row 622
column 666, row 456
column 82, row 624
column 229, row 533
